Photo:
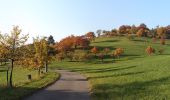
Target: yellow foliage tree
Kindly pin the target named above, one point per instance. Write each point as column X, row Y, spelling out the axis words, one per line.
column 9, row 47
column 118, row 52
column 41, row 57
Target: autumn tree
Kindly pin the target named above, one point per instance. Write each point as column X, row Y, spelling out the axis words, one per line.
column 41, row 57
column 161, row 32
column 81, row 41
column 162, row 40
column 140, row 32
column 118, row 52
column 94, row 50
column 65, row 45
column 124, row 29
column 90, row 36
column 3, row 53
column 10, row 43
column 149, row 50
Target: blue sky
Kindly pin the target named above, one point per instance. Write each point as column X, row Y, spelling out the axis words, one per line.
column 61, row 18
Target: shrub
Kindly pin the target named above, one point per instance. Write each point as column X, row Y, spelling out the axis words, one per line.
column 118, row 52
column 94, row 50
column 60, row 56
column 101, row 56
column 106, row 50
column 81, row 55
column 160, row 51
column 149, row 50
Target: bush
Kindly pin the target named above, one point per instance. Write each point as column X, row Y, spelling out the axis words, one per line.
column 81, row 55
column 149, row 50
column 60, row 56
column 101, row 56
column 118, row 52
column 160, row 51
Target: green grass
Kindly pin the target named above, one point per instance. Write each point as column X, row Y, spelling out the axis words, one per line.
column 135, row 76
column 19, row 75
column 22, row 86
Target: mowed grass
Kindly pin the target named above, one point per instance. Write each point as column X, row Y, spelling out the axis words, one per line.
column 19, row 75
column 22, row 86
column 135, row 76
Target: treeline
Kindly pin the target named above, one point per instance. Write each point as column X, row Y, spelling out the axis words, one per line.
column 141, row 31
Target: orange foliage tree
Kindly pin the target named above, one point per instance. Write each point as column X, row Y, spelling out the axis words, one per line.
column 118, row 52
column 69, row 42
column 94, row 50
column 161, row 32
column 90, row 36
column 149, row 50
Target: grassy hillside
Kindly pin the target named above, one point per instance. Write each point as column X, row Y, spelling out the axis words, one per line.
column 135, row 76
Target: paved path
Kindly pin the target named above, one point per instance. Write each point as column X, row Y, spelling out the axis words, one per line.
column 71, row 86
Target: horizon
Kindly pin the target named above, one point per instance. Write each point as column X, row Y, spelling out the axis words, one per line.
column 62, row 18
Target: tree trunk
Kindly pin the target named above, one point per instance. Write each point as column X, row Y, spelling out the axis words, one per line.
column 7, row 77
column 46, row 66
column 12, row 66
column 39, row 71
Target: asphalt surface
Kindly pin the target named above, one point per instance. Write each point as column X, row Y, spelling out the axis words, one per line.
column 71, row 86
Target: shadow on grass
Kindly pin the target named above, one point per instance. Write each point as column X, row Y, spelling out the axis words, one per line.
column 59, row 95
column 16, row 93
column 142, row 40
column 107, row 41
column 134, row 90
column 111, row 69
column 117, row 75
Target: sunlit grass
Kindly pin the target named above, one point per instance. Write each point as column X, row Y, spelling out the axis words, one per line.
column 135, row 76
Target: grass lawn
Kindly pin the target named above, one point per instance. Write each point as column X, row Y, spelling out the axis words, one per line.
column 22, row 86
column 135, row 76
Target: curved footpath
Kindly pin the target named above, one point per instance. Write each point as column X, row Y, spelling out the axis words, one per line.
column 71, row 86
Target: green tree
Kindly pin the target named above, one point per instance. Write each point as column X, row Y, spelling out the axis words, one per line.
column 51, row 40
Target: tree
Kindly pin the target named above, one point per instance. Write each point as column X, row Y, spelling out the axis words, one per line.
column 118, row 52
column 51, row 43
column 81, row 41
column 124, row 28
column 162, row 40
column 65, row 44
column 41, row 57
column 99, row 32
column 51, row 40
column 90, row 36
column 101, row 56
column 94, row 50
column 140, row 32
column 161, row 32
column 10, row 43
column 149, row 50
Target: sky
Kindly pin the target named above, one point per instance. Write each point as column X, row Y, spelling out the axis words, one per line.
column 61, row 18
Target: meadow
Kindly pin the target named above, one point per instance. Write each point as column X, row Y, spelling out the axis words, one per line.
column 22, row 85
column 134, row 76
